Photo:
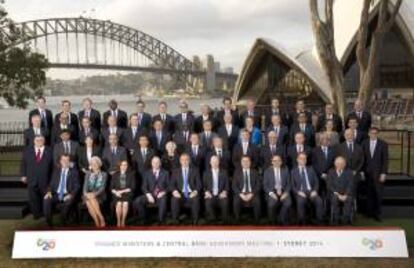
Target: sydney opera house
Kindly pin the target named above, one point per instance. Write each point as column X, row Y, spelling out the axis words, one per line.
column 271, row 69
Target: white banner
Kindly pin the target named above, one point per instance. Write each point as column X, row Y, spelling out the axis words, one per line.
column 211, row 242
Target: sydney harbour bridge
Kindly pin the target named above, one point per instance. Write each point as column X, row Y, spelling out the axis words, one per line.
column 86, row 43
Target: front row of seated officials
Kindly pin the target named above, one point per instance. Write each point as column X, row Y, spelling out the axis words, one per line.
column 279, row 188
column 216, row 165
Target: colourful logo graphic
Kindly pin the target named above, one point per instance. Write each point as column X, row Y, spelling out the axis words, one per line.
column 46, row 244
column 372, row 244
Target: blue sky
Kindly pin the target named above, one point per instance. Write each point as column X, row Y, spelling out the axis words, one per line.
column 224, row 28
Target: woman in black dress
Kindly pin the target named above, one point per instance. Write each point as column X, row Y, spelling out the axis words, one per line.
column 122, row 188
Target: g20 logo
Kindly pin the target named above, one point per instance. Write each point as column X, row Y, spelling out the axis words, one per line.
column 372, row 244
column 46, row 244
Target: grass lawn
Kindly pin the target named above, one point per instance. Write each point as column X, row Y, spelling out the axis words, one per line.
column 7, row 228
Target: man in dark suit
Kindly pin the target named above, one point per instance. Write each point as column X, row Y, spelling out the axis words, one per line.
column 302, row 126
column 182, row 138
column 36, row 167
column 159, row 137
column 167, row 119
column 363, row 116
column 305, row 187
column 229, row 132
column 322, row 161
column 73, row 120
column 354, row 156
column 63, row 125
column 275, row 109
column 87, row 130
column 207, row 134
column 132, row 134
column 206, row 115
column 245, row 147
column 298, row 147
column 216, row 190
column 375, row 170
column 46, row 115
column 252, row 111
column 35, row 129
column 246, row 188
column 340, row 183
column 142, row 156
column 228, row 109
column 271, row 149
column 144, row 119
column 185, row 188
column 112, row 128
column 359, row 136
column 185, row 117
column 282, row 132
column 222, row 153
column 196, row 152
column 67, row 147
column 62, row 191
column 113, row 154
column 154, row 191
column 300, row 107
column 329, row 115
column 120, row 116
column 91, row 113
column 276, row 186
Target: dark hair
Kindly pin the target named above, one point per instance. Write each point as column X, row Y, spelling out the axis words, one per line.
column 227, row 99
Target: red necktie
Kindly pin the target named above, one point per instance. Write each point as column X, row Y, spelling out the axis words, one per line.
column 38, row 156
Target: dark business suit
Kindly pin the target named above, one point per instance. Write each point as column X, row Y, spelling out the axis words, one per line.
column 374, row 166
column 205, row 141
column 321, row 164
column 225, row 159
column 153, row 185
column 215, row 201
column 168, row 123
column 358, row 138
column 257, row 116
column 142, row 162
column 299, row 184
column 56, row 131
column 38, row 176
column 364, row 122
column 238, row 187
column 94, row 117
column 354, row 160
column 336, row 119
column 130, row 140
column 199, row 121
column 229, row 140
column 177, row 184
column 309, row 134
column 72, row 189
column 145, row 120
column 94, row 133
column 106, row 133
column 292, row 154
column 252, row 152
column 295, row 114
column 179, row 122
column 159, row 144
column 284, row 117
column 29, row 134
column 220, row 117
column 59, row 150
column 121, row 119
column 197, row 160
column 82, row 157
column 282, row 134
column 269, row 186
column 73, row 122
column 110, row 160
column 181, row 139
column 266, row 155
column 47, row 121
column 342, row 185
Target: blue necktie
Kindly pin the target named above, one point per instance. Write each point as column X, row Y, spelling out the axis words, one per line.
column 185, row 183
column 62, row 185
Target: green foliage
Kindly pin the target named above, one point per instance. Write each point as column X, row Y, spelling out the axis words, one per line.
column 22, row 72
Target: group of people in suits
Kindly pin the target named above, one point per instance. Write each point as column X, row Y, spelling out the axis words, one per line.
column 222, row 162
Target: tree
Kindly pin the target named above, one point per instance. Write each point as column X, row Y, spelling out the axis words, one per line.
column 324, row 34
column 22, row 72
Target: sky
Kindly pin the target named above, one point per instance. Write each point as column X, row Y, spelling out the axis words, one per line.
column 225, row 28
